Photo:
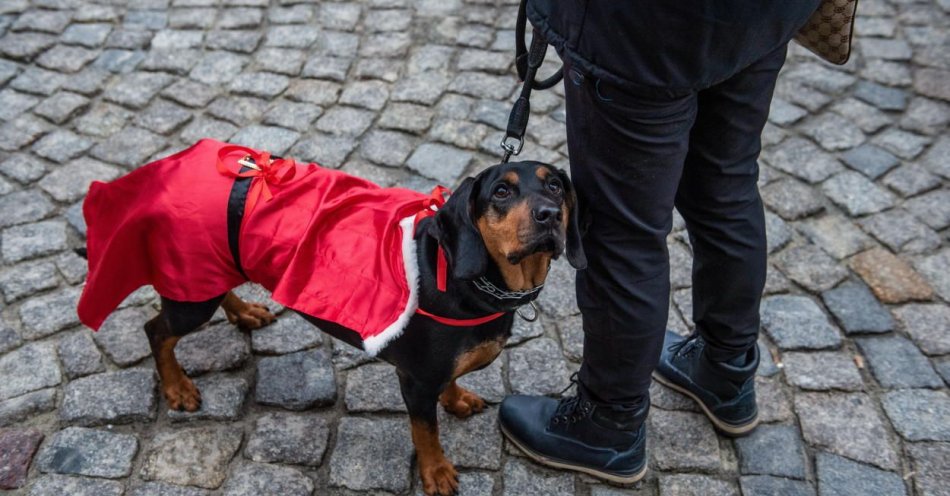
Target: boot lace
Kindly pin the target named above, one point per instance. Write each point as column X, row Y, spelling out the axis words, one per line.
column 688, row 347
column 570, row 409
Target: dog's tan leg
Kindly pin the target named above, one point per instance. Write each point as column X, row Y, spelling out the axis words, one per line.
column 246, row 315
column 179, row 391
column 460, row 401
column 437, row 473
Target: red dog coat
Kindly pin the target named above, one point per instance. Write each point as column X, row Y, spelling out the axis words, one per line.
column 325, row 243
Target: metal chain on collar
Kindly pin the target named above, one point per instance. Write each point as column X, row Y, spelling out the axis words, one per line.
column 486, row 286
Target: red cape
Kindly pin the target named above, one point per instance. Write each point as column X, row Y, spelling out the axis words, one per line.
column 327, row 244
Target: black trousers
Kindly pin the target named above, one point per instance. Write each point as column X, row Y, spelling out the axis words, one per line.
column 633, row 159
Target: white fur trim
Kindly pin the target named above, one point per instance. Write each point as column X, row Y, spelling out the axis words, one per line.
column 373, row 345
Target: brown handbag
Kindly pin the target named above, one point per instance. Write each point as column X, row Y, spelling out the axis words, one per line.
column 829, row 31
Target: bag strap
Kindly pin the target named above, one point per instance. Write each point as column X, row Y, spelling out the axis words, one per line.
column 527, row 62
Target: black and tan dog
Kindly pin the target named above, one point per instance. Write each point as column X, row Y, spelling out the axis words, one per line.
column 499, row 232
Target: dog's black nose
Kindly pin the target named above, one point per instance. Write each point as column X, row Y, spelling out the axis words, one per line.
column 546, row 215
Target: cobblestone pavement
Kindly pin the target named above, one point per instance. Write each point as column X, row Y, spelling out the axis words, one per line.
column 855, row 174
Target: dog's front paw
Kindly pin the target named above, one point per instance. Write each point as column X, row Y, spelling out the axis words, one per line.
column 253, row 316
column 461, row 402
column 182, row 395
column 439, row 477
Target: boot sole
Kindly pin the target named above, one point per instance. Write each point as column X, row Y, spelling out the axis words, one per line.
column 553, row 462
column 731, row 430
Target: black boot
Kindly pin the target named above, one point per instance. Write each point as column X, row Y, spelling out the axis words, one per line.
column 724, row 390
column 578, row 434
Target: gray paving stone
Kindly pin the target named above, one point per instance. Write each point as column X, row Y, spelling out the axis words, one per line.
column 24, row 206
column 289, row 36
column 371, row 95
column 123, row 61
column 931, row 208
column 218, row 67
column 931, row 463
column 822, row 371
column 79, row 355
column 911, row 179
column 842, row 477
column 935, row 158
column 129, row 147
column 406, row 117
column 523, row 477
column 276, row 140
column 311, row 91
column 682, row 441
column 292, row 115
column 326, row 67
column 241, row 41
column 92, row 452
column 870, row 160
column 800, row 158
column 21, row 132
column 65, row 58
column 327, row 151
column 250, row 479
column 919, row 414
column 926, row 116
column 442, row 163
column 222, row 398
column 810, row 267
column 847, row 425
column 373, row 388
column 764, row 485
column 289, row 333
column 137, row 89
column 882, row 97
column 901, row 143
column 342, row 16
column 62, row 106
column 119, row 397
column 385, row 441
column 773, row 400
column 26, row 279
column 87, row 35
column 122, row 336
column 833, row 132
column 71, row 181
column 163, row 489
column 31, row 367
column 537, row 367
column 473, row 442
column 857, row 310
column 56, row 485
column 38, row 81
column 695, row 485
column 901, row 231
column 15, row 103
column 296, row 381
column 344, row 121
column 192, row 457
column 927, row 82
column 897, row 363
column 791, row 199
column 488, row 382
column 772, row 450
column 856, row 194
column 88, row 82
column 238, row 110
column 219, row 347
column 387, row 148
column 9, row 338
column 297, row 439
column 204, row 127
column 103, row 120
column 836, row 235
column 865, row 116
column 24, row 46
column 163, row 117
column 61, row 146
column 928, row 325
column 259, row 84
column 27, row 406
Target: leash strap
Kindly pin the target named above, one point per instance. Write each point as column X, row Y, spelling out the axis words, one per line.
column 527, row 62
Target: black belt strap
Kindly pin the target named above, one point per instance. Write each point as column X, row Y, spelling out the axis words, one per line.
column 236, row 201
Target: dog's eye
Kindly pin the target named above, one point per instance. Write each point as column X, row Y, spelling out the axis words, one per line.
column 555, row 186
column 502, row 191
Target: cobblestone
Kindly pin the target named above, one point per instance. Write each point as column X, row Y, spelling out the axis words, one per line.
column 822, row 371
column 194, row 457
column 857, row 310
column 796, row 322
column 840, row 476
column 845, row 424
column 919, row 414
column 82, row 451
column 288, row 438
column 897, row 363
column 118, row 397
column 385, row 441
column 296, row 381
column 891, row 279
column 772, row 450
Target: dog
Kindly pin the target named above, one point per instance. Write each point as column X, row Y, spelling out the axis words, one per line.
column 475, row 257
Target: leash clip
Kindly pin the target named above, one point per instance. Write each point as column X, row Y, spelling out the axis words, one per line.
column 535, row 314
column 511, row 147
column 247, row 161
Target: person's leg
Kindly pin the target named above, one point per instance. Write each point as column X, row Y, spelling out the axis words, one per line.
column 719, row 200
column 627, row 154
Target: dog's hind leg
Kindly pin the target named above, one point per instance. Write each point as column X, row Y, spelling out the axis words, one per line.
column 176, row 320
column 437, row 473
column 246, row 315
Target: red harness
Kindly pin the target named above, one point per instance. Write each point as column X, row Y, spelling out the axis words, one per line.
column 436, row 200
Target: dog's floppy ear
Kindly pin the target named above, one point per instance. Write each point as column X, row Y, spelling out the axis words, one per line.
column 459, row 238
column 575, row 251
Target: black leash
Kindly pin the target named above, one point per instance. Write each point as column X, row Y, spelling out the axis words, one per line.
column 527, row 63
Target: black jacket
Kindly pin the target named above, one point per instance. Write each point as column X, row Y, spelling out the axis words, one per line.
column 673, row 46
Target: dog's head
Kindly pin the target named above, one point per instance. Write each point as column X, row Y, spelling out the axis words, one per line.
column 519, row 215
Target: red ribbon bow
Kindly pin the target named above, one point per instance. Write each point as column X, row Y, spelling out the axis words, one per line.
column 268, row 172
